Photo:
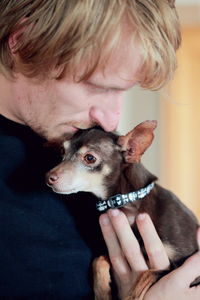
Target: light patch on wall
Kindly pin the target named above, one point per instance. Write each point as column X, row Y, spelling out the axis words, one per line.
column 187, row 2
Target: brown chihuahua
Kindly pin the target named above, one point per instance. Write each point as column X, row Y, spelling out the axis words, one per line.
column 109, row 166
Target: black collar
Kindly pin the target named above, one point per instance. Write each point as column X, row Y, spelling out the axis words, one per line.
column 120, row 200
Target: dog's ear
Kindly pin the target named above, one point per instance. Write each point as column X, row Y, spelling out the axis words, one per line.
column 135, row 143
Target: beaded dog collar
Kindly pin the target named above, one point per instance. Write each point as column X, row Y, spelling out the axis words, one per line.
column 120, row 200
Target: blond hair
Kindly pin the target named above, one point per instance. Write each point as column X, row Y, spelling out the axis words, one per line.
column 60, row 34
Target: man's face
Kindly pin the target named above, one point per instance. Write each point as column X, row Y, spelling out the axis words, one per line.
column 56, row 107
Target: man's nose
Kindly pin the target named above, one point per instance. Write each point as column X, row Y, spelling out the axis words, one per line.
column 106, row 115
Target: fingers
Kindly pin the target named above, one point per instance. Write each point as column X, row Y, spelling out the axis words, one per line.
column 118, row 261
column 158, row 258
column 120, row 239
column 124, row 250
column 127, row 260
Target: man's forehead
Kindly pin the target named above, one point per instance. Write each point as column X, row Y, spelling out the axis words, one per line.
column 122, row 69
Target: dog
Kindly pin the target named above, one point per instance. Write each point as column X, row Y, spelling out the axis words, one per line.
column 109, row 166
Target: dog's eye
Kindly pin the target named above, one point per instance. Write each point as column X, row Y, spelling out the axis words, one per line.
column 90, row 159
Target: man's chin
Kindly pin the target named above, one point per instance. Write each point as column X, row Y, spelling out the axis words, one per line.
column 59, row 134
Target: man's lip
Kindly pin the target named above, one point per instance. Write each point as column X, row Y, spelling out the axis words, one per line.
column 71, row 128
column 75, row 129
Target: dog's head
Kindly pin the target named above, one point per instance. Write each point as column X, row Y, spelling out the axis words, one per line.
column 88, row 163
column 93, row 159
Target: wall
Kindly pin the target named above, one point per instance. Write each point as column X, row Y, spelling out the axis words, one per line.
column 141, row 105
column 180, row 112
column 187, row 2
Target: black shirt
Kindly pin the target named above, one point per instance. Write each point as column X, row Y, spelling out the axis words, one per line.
column 47, row 241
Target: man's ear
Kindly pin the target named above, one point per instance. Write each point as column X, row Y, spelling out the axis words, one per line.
column 135, row 143
column 15, row 36
column 13, row 42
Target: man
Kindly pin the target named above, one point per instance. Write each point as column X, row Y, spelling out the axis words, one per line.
column 65, row 66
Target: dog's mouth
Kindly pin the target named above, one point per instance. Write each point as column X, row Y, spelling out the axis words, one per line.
column 66, row 191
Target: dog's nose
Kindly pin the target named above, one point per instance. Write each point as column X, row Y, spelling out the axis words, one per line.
column 52, row 178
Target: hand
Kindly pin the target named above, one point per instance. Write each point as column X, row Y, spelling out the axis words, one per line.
column 127, row 260
column 176, row 284
column 124, row 250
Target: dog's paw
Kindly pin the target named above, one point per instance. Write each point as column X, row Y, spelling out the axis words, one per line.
column 101, row 275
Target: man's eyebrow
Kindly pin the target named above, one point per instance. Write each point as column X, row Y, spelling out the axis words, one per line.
column 105, row 86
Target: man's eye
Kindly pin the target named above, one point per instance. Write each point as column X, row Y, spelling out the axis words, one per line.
column 90, row 159
column 98, row 89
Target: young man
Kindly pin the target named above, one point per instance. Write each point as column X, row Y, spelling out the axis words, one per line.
column 65, row 66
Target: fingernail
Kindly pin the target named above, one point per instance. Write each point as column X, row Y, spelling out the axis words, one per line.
column 105, row 220
column 141, row 217
column 114, row 212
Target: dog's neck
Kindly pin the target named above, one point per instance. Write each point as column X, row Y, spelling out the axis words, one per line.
column 133, row 177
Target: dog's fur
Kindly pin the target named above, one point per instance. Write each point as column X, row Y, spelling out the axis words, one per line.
column 106, row 164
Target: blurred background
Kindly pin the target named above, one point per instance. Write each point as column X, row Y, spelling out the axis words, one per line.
column 175, row 153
